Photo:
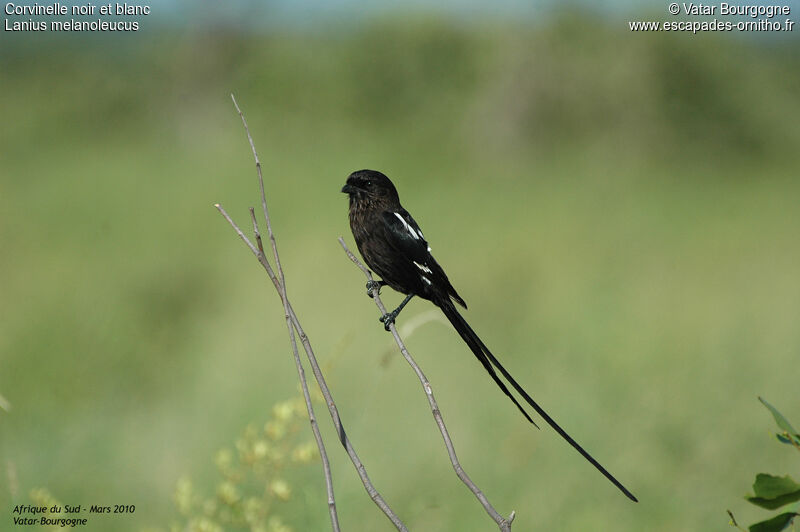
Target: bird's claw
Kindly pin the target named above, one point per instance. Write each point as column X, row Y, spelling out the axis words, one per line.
column 387, row 319
column 372, row 286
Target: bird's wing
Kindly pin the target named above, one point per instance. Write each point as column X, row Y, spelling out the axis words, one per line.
column 405, row 235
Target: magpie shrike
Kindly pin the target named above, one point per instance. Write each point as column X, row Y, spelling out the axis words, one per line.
column 394, row 247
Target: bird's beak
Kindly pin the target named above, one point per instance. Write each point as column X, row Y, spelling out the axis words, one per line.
column 348, row 189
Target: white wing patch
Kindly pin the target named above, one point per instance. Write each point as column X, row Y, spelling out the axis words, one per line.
column 408, row 227
column 425, row 279
column 422, row 267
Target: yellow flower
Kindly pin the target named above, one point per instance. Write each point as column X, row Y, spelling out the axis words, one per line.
column 228, row 493
column 283, row 411
column 304, row 452
column 275, row 430
column 280, row 489
column 260, row 449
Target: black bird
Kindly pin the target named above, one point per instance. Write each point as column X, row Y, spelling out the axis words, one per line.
column 394, row 247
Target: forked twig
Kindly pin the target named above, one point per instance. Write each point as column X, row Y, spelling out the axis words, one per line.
column 502, row 522
column 334, row 412
column 301, row 374
column 293, row 324
column 290, row 327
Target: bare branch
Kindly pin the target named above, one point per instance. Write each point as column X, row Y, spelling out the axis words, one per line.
column 261, row 186
column 502, row 522
column 334, row 411
column 256, row 231
column 293, row 323
column 326, row 467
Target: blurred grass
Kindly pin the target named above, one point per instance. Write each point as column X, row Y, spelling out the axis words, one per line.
column 619, row 210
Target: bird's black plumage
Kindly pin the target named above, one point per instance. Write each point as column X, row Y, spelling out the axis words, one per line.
column 394, row 247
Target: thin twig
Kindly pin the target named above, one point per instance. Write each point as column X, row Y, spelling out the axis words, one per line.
column 334, row 411
column 256, row 232
column 294, row 324
column 502, row 522
column 263, row 195
column 289, row 326
column 733, row 521
column 326, row 467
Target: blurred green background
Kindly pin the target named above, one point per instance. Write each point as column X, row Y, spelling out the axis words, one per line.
column 618, row 209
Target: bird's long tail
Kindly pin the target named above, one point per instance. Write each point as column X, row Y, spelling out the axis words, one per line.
column 487, row 359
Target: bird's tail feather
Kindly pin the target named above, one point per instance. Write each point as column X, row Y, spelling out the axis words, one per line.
column 474, row 343
column 487, row 359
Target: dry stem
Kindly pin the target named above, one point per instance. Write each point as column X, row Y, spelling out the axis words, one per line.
column 502, row 522
column 293, row 324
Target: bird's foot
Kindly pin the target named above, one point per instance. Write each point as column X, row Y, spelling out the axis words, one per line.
column 372, row 286
column 388, row 318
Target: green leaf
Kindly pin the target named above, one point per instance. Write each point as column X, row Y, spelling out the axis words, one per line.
column 782, row 422
column 789, row 439
column 770, row 486
column 776, row 524
column 772, row 492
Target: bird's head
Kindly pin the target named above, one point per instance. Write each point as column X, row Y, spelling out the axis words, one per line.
column 370, row 185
